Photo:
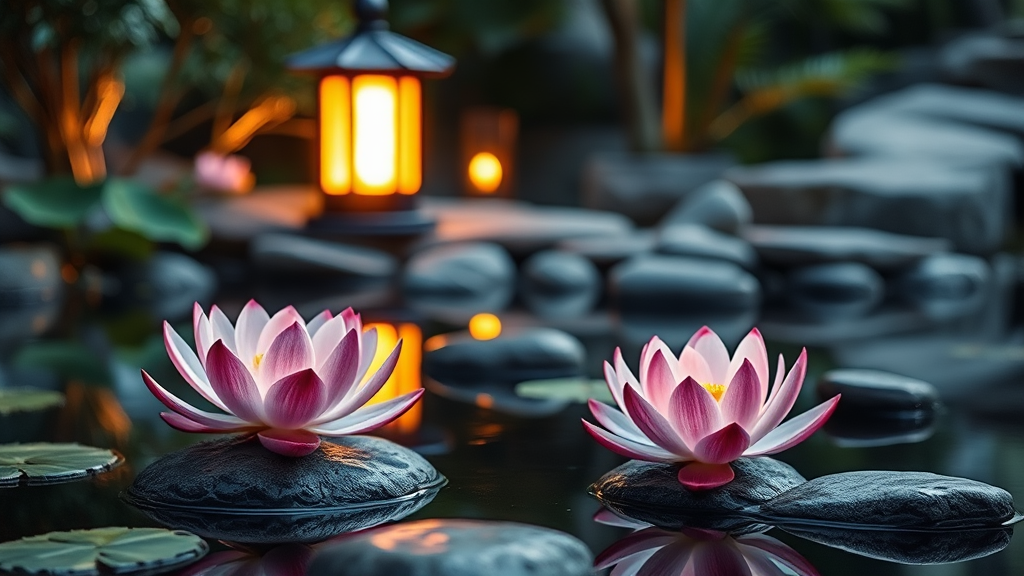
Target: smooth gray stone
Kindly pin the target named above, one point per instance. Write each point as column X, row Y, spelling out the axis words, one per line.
column 885, row 499
column 646, row 186
column 908, row 546
column 239, row 475
column 651, row 492
column 514, row 356
column 849, row 427
column 610, row 250
column 877, row 391
column 520, row 228
column 933, row 197
column 560, row 284
column 455, row 548
column 946, row 286
column 971, row 106
column 480, row 274
column 29, row 275
column 894, row 134
column 836, row 290
column 799, row 245
column 290, row 254
column 699, row 241
column 719, row 205
column 657, row 284
column 988, row 59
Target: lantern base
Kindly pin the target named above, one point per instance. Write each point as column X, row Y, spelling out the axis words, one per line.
column 394, row 223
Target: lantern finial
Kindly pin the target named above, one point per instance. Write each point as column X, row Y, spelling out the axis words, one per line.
column 372, row 14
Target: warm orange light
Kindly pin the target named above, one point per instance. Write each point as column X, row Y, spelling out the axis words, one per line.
column 371, row 135
column 484, row 326
column 335, row 135
column 485, row 172
column 410, row 153
column 406, row 377
column 375, row 134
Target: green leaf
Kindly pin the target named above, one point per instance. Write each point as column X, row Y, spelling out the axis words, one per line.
column 70, row 360
column 118, row 241
column 87, row 552
column 572, row 389
column 43, row 463
column 52, row 203
column 138, row 208
column 28, row 400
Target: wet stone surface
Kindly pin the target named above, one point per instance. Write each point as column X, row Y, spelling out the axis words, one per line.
column 456, row 548
column 908, row 546
column 839, row 289
column 676, row 284
column 884, row 499
column 877, row 391
column 238, row 474
column 651, row 492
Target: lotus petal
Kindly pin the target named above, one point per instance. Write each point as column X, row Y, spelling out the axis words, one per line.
column 723, row 446
column 188, row 365
column 222, row 329
column 185, row 424
column 295, row 400
column 251, row 322
column 628, row 448
column 292, row 443
column 795, row 431
column 187, row 410
column 741, row 402
column 366, row 391
column 233, row 384
column 719, row 559
column 277, row 324
column 693, row 412
column 782, row 399
column 752, row 348
column 338, row 370
column 655, row 426
column 616, row 422
column 701, row 476
column 314, row 325
column 371, row 417
column 713, row 350
column 291, row 352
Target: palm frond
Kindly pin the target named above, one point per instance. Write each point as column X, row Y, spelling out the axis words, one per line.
column 831, row 74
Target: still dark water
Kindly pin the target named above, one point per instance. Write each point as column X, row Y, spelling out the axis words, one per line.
column 526, row 465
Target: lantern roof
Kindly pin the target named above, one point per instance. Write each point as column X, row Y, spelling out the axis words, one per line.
column 373, row 48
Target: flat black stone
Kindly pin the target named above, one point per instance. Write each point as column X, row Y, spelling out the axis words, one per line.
column 455, row 548
column 657, row 284
column 786, row 246
column 699, row 241
column 877, row 391
column 651, row 492
column 909, row 546
column 239, row 475
column 529, row 354
column 884, row 499
column 837, row 289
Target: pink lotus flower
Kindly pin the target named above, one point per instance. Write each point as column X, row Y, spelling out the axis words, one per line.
column 704, row 409
column 281, row 378
column 655, row 552
column 229, row 173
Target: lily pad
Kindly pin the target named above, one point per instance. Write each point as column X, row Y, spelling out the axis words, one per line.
column 87, row 552
column 54, row 203
column 28, row 400
column 570, row 389
column 43, row 463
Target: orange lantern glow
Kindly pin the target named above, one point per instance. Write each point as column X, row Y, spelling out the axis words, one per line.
column 370, row 144
column 488, row 150
column 406, row 377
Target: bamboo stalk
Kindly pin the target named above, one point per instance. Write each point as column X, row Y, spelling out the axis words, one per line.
column 673, row 103
column 634, row 84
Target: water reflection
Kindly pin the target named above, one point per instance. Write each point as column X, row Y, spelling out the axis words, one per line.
column 286, row 560
column 655, row 552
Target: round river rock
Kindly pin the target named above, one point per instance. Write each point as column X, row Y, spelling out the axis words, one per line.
column 239, row 475
column 455, row 548
column 651, row 492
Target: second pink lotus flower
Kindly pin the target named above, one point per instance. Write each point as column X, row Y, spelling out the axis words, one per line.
column 285, row 380
column 704, row 409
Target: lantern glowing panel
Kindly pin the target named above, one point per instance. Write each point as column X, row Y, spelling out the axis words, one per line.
column 406, row 377
column 370, row 135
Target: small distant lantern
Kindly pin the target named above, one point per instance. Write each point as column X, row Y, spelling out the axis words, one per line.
column 488, row 150
column 370, row 127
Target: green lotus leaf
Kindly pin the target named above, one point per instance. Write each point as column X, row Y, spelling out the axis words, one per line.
column 572, row 389
column 28, row 400
column 88, row 552
column 43, row 463
column 135, row 207
column 53, row 203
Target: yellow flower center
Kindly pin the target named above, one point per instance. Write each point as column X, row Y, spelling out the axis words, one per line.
column 716, row 390
column 256, row 360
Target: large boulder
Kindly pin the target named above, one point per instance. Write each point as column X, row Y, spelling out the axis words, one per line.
column 967, row 206
column 646, row 186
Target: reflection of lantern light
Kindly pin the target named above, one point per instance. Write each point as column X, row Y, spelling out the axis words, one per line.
column 484, row 326
column 406, row 377
column 488, row 150
column 485, row 172
column 370, row 123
